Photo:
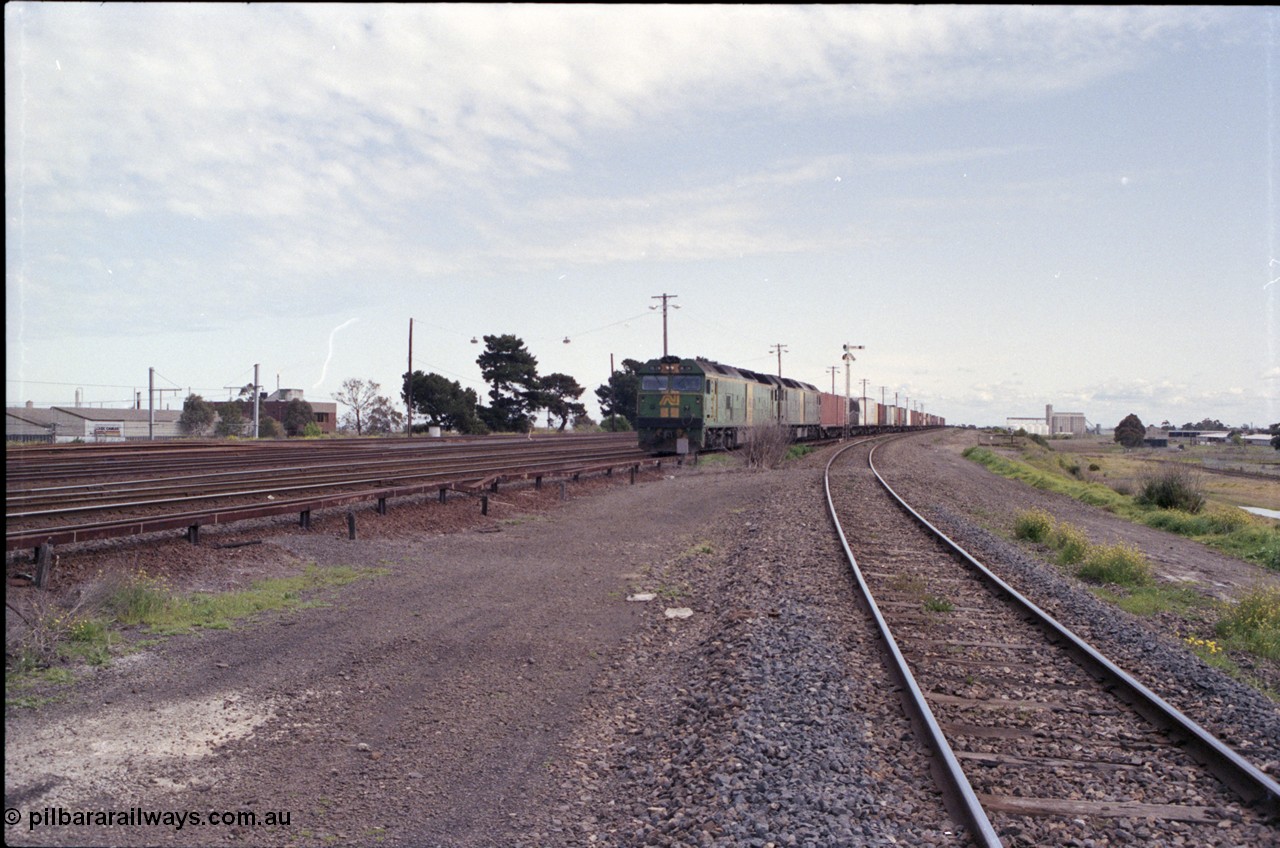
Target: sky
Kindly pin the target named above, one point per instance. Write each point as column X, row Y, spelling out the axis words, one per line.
column 1007, row 207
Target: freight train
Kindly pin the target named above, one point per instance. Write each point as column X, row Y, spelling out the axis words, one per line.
column 692, row 405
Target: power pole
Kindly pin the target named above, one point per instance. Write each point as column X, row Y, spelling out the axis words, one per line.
column 151, row 402
column 257, row 395
column 664, row 297
column 408, row 389
column 779, row 348
column 833, row 369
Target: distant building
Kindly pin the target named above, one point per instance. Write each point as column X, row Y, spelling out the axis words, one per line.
column 1199, row 437
column 87, row 424
column 1065, row 423
column 278, row 401
column 1033, row 426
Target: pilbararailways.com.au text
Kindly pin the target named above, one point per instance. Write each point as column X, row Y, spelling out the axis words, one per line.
column 141, row 817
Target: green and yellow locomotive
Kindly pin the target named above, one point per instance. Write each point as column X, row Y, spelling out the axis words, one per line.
column 691, row 405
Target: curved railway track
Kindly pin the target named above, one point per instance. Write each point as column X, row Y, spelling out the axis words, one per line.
column 1039, row 739
column 79, row 495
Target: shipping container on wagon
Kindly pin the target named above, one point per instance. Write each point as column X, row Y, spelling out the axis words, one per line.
column 831, row 411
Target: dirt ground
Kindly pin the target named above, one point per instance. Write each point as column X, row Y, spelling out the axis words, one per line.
column 428, row 705
column 424, row 701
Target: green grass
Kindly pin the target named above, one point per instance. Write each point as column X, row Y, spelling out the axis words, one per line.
column 1071, row 544
column 1153, row 600
column 1228, row 530
column 1033, row 525
column 55, row 640
column 936, row 603
column 149, row 603
column 1118, row 564
column 1090, row 493
column 1253, row 624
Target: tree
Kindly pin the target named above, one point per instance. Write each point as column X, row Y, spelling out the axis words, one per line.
column 1206, row 424
column 197, row 415
column 359, row 396
column 230, row 419
column 384, row 418
column 512, row 372
column 1275, row 436
column 443, row 402
column 297, row 415
column 1130, row 432
column 618, row 396
column 615, row 424
column 558, row 394
column 269, row 428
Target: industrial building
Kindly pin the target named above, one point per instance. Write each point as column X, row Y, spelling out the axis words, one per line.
column 86, row 424
column 1052, row 424
column 59, row 424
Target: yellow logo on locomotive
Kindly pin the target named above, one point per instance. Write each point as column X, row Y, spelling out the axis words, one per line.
column 669, row 405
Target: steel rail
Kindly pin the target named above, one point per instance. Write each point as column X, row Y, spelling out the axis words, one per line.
column 469, row 482
column 24, row 468
column 958, row 793
column 1253, row 785
column 101, row 497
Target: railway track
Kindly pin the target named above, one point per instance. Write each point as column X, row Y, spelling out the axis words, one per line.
column 1038, row 738
column 81, row 495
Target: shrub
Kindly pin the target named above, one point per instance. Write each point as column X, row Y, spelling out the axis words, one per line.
column 764, row 446
column 1071, row 543
column 1120, row 564
column 1033, row 525
column 615, row 424
column 1253, row 623
column 1172, row 488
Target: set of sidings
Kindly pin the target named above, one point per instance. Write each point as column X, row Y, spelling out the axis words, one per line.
column 691, row 405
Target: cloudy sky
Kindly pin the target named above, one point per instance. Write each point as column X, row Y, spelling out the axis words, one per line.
column 1007, row 206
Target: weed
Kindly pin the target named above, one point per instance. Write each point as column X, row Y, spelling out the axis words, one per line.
column 53, row 635
column 1253, row 623
column 1154, row 599
column 797, row 451
column 1229, row 530
column 1203, row 646
column 1071, row 543
column 1119, row 564
column 1174, row 487
column 1033, row 525
column 909, row 584
column 765, row 446
column 935, row 603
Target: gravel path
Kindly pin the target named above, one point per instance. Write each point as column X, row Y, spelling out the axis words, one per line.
column 495, row 687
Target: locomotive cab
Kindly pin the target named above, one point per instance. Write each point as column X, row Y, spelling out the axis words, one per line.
column 670, row 405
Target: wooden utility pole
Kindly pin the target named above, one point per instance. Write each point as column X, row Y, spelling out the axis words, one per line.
column 408, row 389
column 664, row 297
column 779, row 348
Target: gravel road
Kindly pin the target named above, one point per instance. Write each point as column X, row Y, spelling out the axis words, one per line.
column 494, row 686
